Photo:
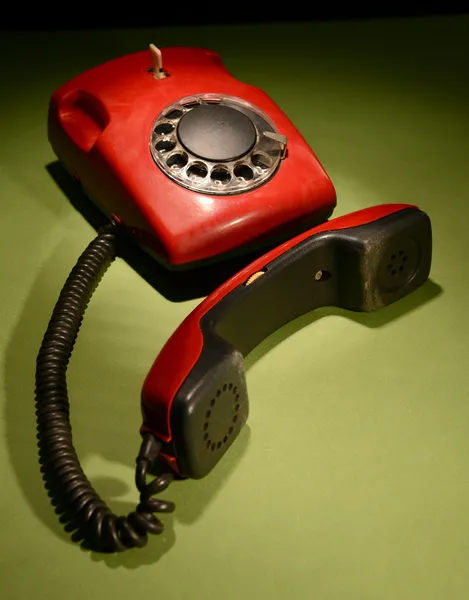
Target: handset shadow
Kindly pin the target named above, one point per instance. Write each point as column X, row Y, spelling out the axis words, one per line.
column 193, row 497
column 428, row 292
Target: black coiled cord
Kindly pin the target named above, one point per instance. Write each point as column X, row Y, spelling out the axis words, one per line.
column 81, row 509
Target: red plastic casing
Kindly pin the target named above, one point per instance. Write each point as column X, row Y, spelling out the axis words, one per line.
column 100, row 124
column 182, row 350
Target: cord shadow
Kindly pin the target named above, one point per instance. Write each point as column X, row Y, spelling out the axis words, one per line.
column 97, row 426
column 191, row 497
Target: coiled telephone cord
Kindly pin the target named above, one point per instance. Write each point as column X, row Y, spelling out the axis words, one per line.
column 81, row 510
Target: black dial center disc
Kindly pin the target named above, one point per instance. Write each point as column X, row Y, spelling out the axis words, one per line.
column 216, row 133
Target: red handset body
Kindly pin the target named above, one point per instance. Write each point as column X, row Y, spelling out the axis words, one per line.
column 100, row 126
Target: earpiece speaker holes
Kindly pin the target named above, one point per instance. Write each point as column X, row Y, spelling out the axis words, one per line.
column 397, row 263
column 226, row 398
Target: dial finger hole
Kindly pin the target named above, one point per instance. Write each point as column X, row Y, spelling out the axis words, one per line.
column 164, row 128
column 220, row 175
column 261, row 161
column 243, row 172
column 174, row 114
column 178, row 160
column 165, row 145
column 197, row 171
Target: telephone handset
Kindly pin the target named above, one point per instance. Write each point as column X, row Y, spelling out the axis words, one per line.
column 194, row 164
column 194, row 399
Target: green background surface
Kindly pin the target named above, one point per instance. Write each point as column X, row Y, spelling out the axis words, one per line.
column 351, row 480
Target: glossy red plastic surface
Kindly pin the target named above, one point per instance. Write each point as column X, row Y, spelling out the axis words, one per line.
column 100, row 124
column 182, row 350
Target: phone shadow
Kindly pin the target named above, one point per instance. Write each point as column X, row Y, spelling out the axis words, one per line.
column 176, row 285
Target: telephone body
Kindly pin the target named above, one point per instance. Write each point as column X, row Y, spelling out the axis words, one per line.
column 195, row 164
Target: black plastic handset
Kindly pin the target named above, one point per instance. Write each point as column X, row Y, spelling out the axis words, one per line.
column 197, row 384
